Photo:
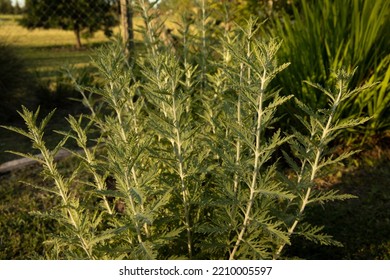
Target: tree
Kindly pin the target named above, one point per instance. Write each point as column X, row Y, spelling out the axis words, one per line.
column 81, row 16
column 6, row 7
column 17, row 9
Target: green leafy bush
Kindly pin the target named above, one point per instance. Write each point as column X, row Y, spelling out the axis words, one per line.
column 184, row 161
column 325, row 35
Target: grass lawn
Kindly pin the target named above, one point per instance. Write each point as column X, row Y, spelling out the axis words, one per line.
column 52, row 58
column 46, row 49
column 14, row 34
column 44, row 53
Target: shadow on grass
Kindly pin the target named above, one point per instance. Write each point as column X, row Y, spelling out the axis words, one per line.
column 49, row 89
column 22, row 234
column 362, row 225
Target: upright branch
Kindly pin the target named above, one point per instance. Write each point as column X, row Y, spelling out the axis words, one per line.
column 164, row 91
column 151, row 27
column 323, row 128
column 70, row 213
column 259, row 61
column 256, row 165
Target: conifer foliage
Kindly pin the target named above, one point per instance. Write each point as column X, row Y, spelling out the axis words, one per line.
column 181, row 152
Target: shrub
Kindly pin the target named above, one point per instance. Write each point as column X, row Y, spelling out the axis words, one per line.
column 323, row 36
column 184, row 164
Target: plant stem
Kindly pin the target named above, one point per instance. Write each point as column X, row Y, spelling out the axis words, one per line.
column 59, row 182
column 177, row 146
column 134, row 175
column 203, row 49
column 98, row 180
column 256, row 167
column 314, row 169
column 238, row 142
column 151, row 36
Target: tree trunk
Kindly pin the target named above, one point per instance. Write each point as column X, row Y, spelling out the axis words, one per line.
column 78, row 37
column 124, row 21
column 130, row 23
column 127, row 25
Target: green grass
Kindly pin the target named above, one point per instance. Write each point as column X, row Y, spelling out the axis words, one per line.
column 43, row 54
column 53, row 58
column 22, row 233
column 362, row 225
column 47, row 50
column 22, row 37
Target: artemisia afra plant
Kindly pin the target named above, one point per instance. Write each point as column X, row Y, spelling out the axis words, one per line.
column 180, row 155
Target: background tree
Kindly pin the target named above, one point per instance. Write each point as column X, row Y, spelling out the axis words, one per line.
column 18, row 9
column 6, row 7
column 81, row 16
